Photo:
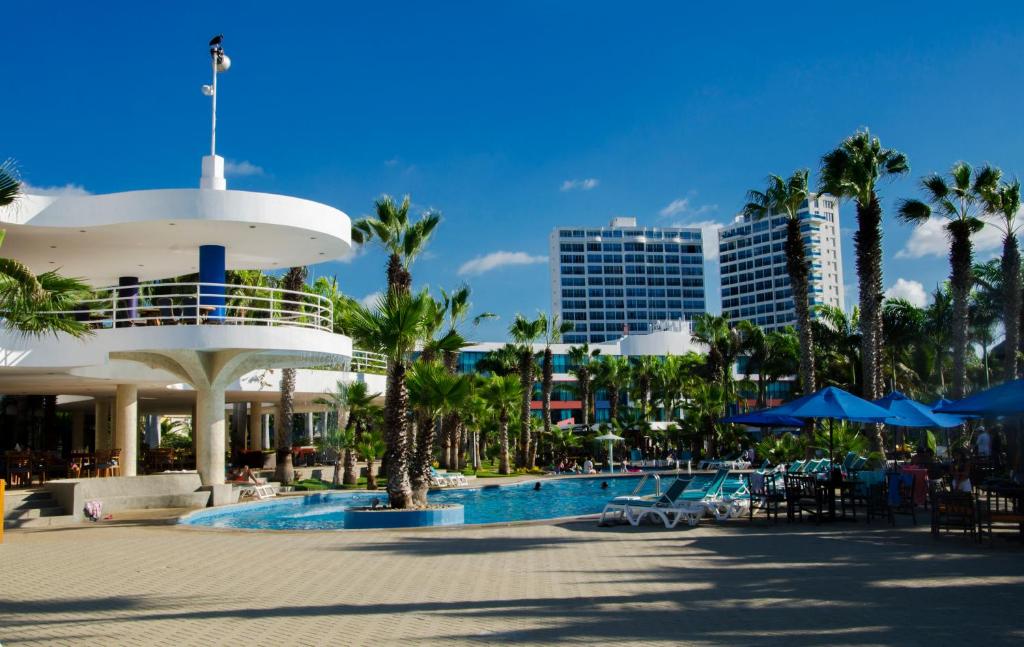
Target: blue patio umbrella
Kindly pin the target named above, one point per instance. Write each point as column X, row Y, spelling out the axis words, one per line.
column 834, row 404
column 916, row 414
column 1007, row 399
column 764, row 419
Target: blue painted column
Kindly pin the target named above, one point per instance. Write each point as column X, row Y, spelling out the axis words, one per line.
column 212, row 270
column 127, row 300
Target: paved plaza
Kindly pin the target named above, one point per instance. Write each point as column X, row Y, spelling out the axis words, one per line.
column 140, row 582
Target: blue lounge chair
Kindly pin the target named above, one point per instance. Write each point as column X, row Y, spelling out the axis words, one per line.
column 616, row 509
column 689, row 505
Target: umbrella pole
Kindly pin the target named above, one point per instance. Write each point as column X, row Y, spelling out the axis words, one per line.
column 611, row 465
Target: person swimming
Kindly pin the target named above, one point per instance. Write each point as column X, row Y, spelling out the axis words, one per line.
column 604, row 485
column 536, row 486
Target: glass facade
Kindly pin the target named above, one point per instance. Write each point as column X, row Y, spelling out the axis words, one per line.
column 634, row 276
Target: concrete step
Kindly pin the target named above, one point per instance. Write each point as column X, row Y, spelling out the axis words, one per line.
column 41, row 522
column 34, row 513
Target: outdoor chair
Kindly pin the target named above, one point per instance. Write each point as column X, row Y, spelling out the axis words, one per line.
column 900, row 496
column 19, row 468
column 804, row 494
column 952, row 510
column 765, row 494
column 108, row 463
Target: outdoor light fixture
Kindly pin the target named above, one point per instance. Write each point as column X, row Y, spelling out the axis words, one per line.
column 221, row 63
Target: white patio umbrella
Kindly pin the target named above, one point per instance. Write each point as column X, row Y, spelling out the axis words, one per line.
column 611, row 439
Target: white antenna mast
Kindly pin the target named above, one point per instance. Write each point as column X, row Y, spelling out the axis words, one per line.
column 213, row 166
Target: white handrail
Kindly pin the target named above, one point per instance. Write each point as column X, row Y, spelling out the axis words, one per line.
column 203, row 303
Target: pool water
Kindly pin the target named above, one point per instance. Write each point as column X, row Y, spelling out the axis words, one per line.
column 566, row 497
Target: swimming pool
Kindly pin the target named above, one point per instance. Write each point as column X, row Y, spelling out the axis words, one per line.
column 567, row 497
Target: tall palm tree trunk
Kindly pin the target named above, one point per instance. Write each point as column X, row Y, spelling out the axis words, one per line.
column 526, row 382
column 547, row 383
column 285, row 469
column 613, row 402
column 399, row 279
column 1011, row 305
column 868, row 247
column 960, row 253
column 584, row 388
column 397, row 437
column 503, row 458
column 420, row 471
column 796, row 260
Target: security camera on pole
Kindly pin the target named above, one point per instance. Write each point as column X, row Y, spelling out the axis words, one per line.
column 213, row 166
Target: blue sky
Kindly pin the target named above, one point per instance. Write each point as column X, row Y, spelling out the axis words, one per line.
column 514, row 118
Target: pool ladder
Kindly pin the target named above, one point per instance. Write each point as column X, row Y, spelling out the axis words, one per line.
column 643, row 481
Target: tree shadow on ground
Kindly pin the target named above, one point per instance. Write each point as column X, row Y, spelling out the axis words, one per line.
column 735, row 584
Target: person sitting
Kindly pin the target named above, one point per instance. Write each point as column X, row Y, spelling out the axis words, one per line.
column 574, row 468
column 588, row 466
column 962, row 474
column 242, row 475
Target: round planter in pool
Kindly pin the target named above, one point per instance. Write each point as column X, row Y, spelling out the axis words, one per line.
column 449, row 515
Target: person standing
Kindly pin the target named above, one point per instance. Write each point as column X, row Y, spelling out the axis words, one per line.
column 983, row 444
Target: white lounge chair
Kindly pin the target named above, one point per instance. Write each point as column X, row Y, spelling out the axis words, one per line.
column 691, row 505
column 615, row 510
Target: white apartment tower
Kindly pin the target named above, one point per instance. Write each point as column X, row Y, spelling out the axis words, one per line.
column 623, row 278
column 755, row 282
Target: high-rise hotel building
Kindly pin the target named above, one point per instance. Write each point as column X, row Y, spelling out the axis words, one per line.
column 755, row 281
column 614, row 280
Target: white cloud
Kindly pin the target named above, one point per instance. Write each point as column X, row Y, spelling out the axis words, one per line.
column 67, row 189
column 494, row 260
column 370, row 300
column 241, row 169
column 912, row 291
column 682, row 206
column 391, row 162
column 585, row 184
column 930, row 239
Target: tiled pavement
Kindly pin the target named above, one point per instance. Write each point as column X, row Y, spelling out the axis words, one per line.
column 140, row 583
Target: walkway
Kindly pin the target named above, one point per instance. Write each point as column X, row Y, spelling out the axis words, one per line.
column 138, row 582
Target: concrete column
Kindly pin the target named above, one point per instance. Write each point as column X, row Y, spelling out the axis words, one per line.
column 127, row 413
column 209, row 433
column 102, row 409
column 309, row 428
column 77, row 430
column 255, row 426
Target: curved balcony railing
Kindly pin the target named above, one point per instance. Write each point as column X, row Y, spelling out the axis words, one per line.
column 171, row 304
column 366, row 362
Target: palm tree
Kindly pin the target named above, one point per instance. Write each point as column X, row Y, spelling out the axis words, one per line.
column 563, row 441
column 580, row 358
column 903, row 323
column 351, row 403
column 502, row 392
column 402, row 240
column 955, row 200
column 457, row 306
column 723, row 342
column 371, row 447
column 524, row 332
column 31, row 304
column 938, row 323
column 1003, row 201
column 770, row 355
column 839, row 346
column 393, row 329
column 293, row 280
column 788, row 197
column 342, row 442
column 986, row 302
column 852, row 171
column 613, row 375
column 433, row 392
column 644, row 371
column 503, row 360
column 551, row 331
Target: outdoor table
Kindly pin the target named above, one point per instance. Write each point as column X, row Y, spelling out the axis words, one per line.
column 1003, row 504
